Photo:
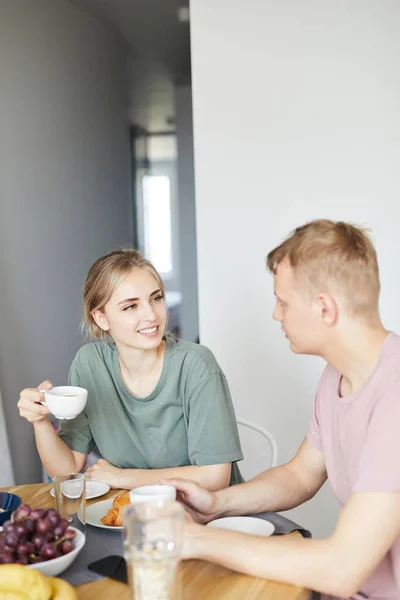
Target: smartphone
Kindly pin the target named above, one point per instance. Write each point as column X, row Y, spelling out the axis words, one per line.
column 111, row 566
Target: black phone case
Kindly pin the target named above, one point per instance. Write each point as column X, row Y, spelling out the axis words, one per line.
column 111, row 566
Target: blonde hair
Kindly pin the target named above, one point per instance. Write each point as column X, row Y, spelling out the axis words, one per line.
column 323, row 253
column 104, row 277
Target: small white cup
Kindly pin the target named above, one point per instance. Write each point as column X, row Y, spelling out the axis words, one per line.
column 148, row 493
column 65, row 401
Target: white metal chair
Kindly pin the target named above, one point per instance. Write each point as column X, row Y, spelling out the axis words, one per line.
column 255, row 457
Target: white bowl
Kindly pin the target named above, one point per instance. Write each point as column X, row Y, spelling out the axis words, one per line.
column 55, row 566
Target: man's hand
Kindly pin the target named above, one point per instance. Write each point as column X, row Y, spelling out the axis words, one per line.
column 202, row 505
column 105, row 472
column 191, row 533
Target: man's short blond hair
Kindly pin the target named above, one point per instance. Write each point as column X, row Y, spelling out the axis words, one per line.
column 333, row 256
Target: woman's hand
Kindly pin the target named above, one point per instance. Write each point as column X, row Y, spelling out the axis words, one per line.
column 105, row 472
column 201, row 504
column 29, row 403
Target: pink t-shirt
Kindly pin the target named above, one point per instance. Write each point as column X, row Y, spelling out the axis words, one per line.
column 360, row 438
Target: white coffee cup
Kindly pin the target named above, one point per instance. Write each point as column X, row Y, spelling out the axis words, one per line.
column 147, row 493
column 65, row 401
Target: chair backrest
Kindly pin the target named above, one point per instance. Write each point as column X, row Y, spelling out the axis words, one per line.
column 260, row 451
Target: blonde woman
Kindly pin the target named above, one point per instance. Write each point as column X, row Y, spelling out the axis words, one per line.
column 157, row 407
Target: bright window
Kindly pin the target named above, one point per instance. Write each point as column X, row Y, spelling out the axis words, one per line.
column 157, row 222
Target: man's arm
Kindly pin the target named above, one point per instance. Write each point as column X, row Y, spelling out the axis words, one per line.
column 281, row 488
column 367, row 528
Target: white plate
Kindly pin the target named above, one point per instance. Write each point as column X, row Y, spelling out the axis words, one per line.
column 94, row 512
column 55, row 566
column 250, row 525
column 94, row 489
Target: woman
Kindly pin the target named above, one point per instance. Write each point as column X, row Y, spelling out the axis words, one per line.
column 157, row 407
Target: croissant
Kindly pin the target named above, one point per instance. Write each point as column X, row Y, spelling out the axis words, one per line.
column 113, row 518
column 121, row 500
column 110, row 518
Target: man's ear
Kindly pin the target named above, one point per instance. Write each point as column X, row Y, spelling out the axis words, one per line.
column 327, row 308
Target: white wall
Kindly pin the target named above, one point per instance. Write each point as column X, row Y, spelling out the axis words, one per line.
column 296, row 116
column 64, row 190
column 187, row 214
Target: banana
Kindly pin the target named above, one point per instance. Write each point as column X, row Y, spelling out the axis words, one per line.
column 61, row 590
column 20, row 583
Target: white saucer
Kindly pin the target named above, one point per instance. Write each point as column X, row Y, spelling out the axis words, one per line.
column 94, row 512
column 250, row 525
column 94, row 489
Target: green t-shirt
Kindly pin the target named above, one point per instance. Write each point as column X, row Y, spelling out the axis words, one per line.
column 188, row 419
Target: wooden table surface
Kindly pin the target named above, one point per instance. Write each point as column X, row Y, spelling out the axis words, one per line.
column 200, row 580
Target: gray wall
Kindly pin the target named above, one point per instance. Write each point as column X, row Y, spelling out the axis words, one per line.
column 64, row 190
column 187, row 214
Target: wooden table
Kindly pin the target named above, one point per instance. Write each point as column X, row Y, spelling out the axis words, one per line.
column 200, row 580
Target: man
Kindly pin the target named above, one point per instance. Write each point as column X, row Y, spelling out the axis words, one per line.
column 327, row 287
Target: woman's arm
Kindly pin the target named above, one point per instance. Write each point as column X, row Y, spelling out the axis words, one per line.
column 55, row 455
column 212, row 477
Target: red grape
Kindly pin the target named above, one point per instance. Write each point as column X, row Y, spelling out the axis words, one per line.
column 63, row 523
column 7, row 557
column 30, row 525
column 37, row 513
column 21, row 531
column 69, row 534
column 49, row 536
column 43, row 526
column 11, row 539
column 10, row 528
column 58, row 531
column 38, row 541
column 22, row 512
column 25, row 548
column 66, row 546
column 22, row 560
column 48, row 551
column 52, row 516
